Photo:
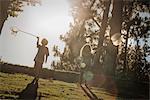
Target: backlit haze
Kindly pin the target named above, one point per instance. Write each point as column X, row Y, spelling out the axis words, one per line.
column 48, row 20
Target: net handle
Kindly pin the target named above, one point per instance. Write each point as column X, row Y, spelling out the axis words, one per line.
column 28, row 33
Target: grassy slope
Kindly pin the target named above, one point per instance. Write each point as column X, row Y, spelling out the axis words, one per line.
column 12, row 84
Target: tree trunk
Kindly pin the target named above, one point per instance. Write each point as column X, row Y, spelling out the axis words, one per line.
column 116, row 21
column 102, row 33
column 4, row 4
column 116, row 25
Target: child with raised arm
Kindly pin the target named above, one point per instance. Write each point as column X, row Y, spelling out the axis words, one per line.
column 41, row 56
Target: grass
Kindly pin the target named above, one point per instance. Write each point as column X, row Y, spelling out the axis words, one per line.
column 11, row 85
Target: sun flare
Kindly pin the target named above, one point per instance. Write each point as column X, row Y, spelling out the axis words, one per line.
column 48, row 20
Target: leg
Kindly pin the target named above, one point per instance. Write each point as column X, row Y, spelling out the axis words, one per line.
column 81, row 77
column 38, row 68
column 35, row 69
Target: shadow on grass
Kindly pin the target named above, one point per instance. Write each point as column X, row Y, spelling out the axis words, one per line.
column 89, row 93
column 30, row 92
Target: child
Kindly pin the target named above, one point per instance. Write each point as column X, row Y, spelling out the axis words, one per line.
column 40, row 56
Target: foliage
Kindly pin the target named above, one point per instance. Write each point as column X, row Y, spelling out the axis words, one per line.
column 64, row 62
column 15, row 6
column 136, row 33
column 93, row 25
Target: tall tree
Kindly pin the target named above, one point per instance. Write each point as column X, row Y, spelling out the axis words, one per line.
column 99, row 21
column 4, row 4
column 135, row 24
column 12, row 8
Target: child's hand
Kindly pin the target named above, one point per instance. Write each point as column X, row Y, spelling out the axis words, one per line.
column 37, row 37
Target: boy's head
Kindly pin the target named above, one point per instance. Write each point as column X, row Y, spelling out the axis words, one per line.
column 44, row 41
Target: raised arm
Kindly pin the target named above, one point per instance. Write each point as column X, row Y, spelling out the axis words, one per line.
column 37, row 42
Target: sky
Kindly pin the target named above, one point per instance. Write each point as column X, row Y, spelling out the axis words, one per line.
column 48, row 20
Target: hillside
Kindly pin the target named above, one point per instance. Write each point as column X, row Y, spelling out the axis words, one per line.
column 17, row 81
column 14, row 85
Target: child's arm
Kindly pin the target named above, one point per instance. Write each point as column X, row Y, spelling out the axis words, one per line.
column 46, row 59
column 37, row 42
column 47, row 54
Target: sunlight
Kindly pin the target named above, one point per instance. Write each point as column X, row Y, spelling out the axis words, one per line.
column 116, row 39
column 48, row 20
column 52, row 17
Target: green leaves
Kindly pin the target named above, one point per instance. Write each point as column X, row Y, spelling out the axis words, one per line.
column 15, row 7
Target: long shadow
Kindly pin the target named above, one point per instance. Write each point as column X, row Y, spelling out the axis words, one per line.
column 94, row 96
column 30, row 92
column 89, row 93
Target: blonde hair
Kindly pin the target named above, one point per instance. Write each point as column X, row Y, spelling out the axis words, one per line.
column 44, row 41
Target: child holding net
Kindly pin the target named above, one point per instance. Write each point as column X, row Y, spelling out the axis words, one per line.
column 41, row 56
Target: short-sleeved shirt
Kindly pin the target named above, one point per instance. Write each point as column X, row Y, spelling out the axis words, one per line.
column 42, row 52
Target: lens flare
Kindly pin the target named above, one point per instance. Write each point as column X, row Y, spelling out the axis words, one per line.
column 82, row 65
column 88, row 75
column 116, row 39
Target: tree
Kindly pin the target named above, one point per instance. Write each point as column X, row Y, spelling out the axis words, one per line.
column 106, row 23
column 12, row 8
column 3, row 12
column 135, row 29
